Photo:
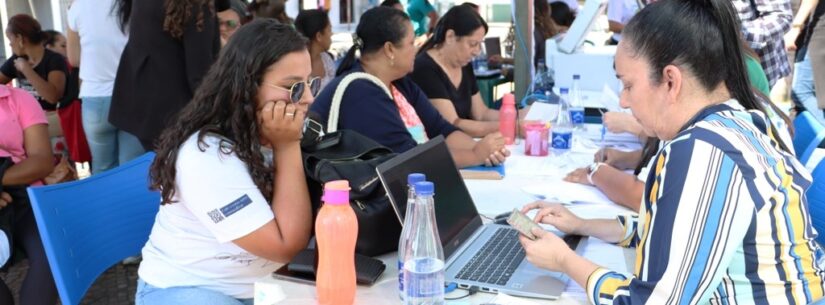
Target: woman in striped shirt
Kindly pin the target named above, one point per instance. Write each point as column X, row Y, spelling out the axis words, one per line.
column 724, row 217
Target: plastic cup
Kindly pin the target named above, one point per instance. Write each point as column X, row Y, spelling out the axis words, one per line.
column 535, row 139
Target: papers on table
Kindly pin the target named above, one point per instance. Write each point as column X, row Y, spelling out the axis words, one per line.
column 542, row 112
column 567, row 193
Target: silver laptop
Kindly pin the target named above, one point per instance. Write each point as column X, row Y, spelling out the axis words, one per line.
column 487, row 256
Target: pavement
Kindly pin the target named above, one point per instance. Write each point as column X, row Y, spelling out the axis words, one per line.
column 115, row 286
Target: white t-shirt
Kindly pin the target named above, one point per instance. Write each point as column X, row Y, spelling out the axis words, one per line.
column 621, row 11
column 191, row 240
column 101, row 44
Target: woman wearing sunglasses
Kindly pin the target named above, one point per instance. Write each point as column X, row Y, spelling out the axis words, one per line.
column 385, row 39
column 230, row 20
column 227, row 214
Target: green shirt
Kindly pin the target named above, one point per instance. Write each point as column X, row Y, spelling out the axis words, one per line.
column 418, row 11
column 757, row 76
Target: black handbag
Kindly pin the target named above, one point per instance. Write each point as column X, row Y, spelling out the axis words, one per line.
column 331, row 154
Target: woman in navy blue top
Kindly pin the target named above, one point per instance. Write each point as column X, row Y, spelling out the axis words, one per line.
column 385, row 38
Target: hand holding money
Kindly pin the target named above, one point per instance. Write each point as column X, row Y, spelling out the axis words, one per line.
column 523, row 224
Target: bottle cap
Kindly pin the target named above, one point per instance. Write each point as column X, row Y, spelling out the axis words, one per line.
column 336, row 192
column 424, row 188
column 508, row 99
column 576, row 77
column 415, row 177
column 564, row 90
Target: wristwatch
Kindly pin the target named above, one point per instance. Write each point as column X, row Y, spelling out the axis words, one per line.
column 591, row 170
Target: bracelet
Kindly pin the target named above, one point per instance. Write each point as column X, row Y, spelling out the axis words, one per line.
column 797, row 25
column 593, row 168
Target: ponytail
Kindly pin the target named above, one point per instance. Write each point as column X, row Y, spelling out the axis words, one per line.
column 377, row 26
column 348, row 61
column 462, row 19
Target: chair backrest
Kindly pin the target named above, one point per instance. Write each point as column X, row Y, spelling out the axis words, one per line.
column 89, row 225
column 808, row 133
column 816, row 198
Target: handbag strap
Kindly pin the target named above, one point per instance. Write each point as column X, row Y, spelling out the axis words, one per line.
column 332, row 121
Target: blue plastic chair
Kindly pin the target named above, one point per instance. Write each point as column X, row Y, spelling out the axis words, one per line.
column 816, row 200
column 808, row 133
column 91, row 224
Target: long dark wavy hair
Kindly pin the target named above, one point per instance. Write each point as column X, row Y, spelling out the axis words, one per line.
column 225, row 104
column 177, row 13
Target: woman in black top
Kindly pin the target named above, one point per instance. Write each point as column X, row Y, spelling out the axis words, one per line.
column 38, row 70
column 443, row 71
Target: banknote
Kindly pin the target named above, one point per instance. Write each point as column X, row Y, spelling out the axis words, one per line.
column 522, row 223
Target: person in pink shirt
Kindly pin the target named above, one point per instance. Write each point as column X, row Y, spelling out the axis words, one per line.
column 24, row 138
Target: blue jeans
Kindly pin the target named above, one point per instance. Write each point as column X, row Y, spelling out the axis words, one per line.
column 109, row 145
column 150, row 295
column 802, row 88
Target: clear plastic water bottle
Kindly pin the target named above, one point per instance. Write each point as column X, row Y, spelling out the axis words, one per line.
column 562, row 129
column 412, row 179
column 576, row 104
column 424, row 267
column 482, row 61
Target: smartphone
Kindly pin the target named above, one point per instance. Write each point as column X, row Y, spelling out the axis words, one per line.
column 522, row 223
column 283, row 273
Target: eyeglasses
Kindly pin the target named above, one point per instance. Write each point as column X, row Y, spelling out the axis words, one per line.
column 229, row 24
column 296, row 91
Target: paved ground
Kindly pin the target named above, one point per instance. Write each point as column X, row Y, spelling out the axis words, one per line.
column 115, row 286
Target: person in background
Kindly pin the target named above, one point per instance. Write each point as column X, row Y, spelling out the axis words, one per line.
column 163, row 62
column 315, row 26
column 230, row 20
column 619, row 13
column 420, row 11
column 709, row 227
column 384, row 37
column 562, row 15
column 275, row 9
column 764, row 23
column 545, row 28
column 572, row 5
column 443, row 71
column 38, row 70
column 396, row 4
column 211, row 158
column 71, row 121
column 803, row 88
column 24, row 137
column 55, row 41
column 95, row 44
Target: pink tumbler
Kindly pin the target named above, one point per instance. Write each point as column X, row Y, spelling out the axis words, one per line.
column 535, row 139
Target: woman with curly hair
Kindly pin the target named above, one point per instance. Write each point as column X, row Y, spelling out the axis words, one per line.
column 227, row 214
column 170, row 48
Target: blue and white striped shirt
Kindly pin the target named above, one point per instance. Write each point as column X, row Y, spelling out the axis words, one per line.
column 724, row 221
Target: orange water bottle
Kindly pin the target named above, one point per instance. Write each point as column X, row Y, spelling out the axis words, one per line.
column 336, row 230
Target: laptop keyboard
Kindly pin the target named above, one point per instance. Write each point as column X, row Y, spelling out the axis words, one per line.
column 498, row 259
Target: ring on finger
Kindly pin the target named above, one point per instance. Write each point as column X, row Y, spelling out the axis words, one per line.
column 290, row 114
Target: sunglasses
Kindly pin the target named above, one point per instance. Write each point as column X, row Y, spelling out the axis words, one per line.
column 296, row 91
column 229, row 24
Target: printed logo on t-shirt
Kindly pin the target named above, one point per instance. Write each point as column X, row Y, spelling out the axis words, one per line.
column 233, row 207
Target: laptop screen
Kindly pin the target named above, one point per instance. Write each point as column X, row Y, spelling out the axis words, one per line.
column 455, row 213
column 493, row 46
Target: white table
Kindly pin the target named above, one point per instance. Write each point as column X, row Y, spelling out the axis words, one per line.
column 491, row 197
